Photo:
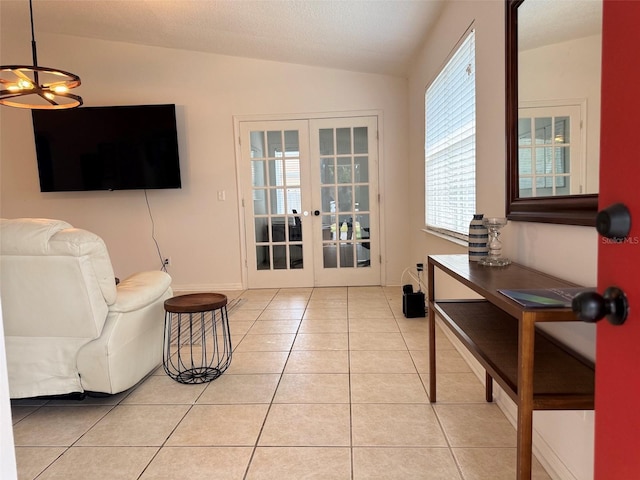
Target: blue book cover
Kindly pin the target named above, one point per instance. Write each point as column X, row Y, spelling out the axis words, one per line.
column 544, row 297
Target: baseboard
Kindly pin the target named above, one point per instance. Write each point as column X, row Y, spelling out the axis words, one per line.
column 199, row 287
column 545, row 454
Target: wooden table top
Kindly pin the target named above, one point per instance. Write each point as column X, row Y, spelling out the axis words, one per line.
column 195, row 302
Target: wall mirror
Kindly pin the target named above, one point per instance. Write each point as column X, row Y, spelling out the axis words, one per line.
column 553, row 58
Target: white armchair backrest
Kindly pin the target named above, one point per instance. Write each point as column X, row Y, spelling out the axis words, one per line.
column 55, row 280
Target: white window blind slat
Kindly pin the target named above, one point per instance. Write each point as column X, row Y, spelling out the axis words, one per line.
column 450, row 195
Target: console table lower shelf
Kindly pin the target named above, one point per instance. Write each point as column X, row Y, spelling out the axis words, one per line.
column 561, row 380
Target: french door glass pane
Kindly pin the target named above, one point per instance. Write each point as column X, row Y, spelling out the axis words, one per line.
column 360, row 140
column 326, row 141
column 279, row 257
column 291, row 141
column 363, row 257
column 343, row 141
column 344, row 170
column 263, row 261
column 329, row 255
column 295, row 256
column 346, row 255
column 563, row 165
column 274, row 140
column 327, row 195
column 524, row 161
column 294, row 202
column 262, row 229
column 257, row 144
column 524, row 131
column 361, row 169
column 544, row 131
column 525, row 187
column 259, row 202
column 258, row 174
column 277, row 201
column 362, row 197
column 561, row 133
column 345, row 199
column 276, row 173
column 292, row 172
column 327, row 171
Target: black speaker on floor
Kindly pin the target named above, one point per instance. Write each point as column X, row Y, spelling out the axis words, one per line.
column 412, row 302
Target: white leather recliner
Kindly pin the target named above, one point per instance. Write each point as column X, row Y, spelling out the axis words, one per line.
column 68, row 327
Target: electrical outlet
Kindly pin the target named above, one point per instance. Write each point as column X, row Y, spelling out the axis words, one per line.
column 167, row 262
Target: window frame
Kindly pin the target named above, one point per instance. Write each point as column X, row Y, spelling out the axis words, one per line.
column 460, row 51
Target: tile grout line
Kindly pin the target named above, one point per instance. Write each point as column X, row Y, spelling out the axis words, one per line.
column 275, row 391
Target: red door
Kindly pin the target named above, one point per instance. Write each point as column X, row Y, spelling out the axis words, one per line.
column 617, row 402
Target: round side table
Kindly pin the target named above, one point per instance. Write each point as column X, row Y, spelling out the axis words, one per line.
column 197, row 340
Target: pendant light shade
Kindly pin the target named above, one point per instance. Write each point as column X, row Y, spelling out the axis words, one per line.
column 35, row 87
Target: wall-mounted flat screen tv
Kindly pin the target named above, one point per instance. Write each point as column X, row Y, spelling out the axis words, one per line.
column 107, row 148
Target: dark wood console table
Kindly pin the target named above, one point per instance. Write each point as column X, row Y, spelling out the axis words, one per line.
column 535, row 370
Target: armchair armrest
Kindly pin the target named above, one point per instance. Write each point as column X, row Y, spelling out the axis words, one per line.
column 139, row 290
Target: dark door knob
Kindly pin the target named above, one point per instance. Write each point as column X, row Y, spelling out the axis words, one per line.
column 592, row 307
column 316, row 212
column 614, row 221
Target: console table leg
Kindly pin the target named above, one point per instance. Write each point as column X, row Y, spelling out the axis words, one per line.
column 525, row 395
column 432, row 332
column 488, row 387
column 432, row 355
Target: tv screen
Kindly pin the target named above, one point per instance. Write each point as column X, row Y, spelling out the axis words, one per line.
column 107, row 148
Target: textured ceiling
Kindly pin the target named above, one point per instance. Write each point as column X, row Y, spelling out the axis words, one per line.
column 377, row 36
column 544, row 22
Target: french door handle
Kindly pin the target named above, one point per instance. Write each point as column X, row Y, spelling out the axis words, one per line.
column 316, row 212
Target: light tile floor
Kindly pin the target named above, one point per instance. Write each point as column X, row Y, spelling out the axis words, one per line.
column 325, row 383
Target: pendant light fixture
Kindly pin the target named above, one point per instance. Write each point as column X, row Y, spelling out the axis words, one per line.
column 35, row 87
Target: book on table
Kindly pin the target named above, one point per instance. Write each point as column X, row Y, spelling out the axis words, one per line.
column 544, row 297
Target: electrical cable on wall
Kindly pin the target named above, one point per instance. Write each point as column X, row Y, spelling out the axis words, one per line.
column 415, row 276
column 163, row 265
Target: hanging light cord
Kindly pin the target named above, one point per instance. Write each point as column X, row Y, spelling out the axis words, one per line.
column 33, row 44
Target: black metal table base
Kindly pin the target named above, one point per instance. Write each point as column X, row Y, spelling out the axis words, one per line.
column 197, row 375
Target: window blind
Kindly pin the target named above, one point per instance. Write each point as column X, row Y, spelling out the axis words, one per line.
column 450, row 144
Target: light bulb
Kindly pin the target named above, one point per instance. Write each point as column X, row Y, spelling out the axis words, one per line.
column 60, row 89
column 24, row 84
column 50, row 95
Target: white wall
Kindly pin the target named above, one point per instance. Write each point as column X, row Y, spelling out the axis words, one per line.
column 565, row 438
column 568, row 71
column 198, row 232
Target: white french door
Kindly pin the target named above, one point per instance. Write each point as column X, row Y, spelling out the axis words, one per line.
column 550, row 155
column 310, row 201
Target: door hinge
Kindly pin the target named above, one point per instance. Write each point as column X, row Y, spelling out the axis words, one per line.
column 378, row 198
column 380, row 259
column 239, row 140
column 242, row 203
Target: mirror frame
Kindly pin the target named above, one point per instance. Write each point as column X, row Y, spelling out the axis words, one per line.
column 564, row 209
